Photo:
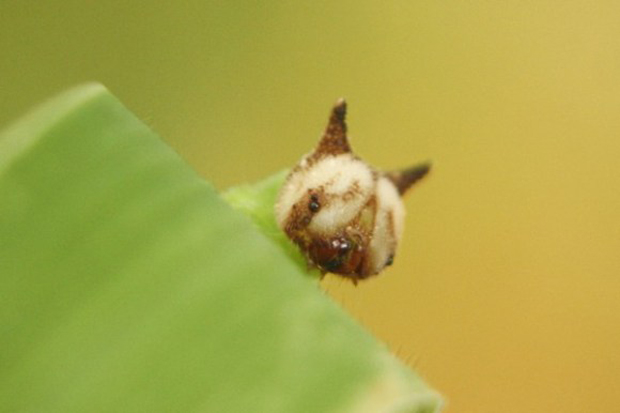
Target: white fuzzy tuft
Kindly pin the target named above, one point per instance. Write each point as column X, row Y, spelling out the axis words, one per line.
column 387, row 232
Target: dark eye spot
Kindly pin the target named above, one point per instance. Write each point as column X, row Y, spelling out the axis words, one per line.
column 314, row 205
column 389, row 261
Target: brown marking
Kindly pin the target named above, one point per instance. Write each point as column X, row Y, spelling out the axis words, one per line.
column 361, row 224
column 301, row 213
column 392, row 229
column 352, row 191
column 405, row 178
column 299, row 217
column 329, row 183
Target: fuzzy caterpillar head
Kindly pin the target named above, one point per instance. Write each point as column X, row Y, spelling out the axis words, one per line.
column 343, row 214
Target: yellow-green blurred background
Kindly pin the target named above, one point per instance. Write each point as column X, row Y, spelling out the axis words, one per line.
column 505, row 294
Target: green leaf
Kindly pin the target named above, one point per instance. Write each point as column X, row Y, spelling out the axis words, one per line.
column 128, row 285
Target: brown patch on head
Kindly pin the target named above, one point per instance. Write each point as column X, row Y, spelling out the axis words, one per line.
column 405, row 178
column 303, row 210
column 341, row 254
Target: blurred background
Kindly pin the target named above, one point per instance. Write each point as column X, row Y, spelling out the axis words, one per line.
column 505, row 294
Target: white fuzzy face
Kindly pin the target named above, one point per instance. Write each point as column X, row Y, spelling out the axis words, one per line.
column 345, row 216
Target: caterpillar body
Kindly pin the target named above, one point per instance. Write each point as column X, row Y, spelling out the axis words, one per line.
column 346, row 216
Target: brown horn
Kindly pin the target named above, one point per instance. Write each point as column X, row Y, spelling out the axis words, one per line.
column 334, row 140
column 405, row 178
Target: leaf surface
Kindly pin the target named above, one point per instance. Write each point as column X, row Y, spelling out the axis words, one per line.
column 128, row 285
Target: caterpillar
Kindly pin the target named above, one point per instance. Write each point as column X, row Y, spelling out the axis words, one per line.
column 345, row 216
